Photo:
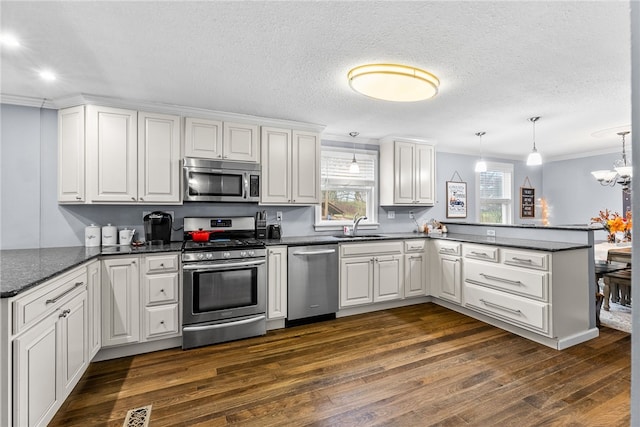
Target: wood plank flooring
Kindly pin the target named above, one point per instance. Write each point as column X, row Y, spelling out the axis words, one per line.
column 421, row 365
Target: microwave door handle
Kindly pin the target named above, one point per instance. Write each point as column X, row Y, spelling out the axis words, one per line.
column 245, row 176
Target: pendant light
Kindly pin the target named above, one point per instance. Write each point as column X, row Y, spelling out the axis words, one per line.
column 534, row 158
column 481, row 165
column 354, row 168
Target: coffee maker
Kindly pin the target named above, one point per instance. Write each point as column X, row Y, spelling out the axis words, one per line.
column 157, row 227
column 261, row 225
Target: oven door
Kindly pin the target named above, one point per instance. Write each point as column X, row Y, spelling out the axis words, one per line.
column 223, row 290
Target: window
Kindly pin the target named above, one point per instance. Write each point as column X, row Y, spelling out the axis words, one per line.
column 495, row 193
column 346, row 194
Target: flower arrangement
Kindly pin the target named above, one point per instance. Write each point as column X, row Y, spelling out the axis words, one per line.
column 614, row 223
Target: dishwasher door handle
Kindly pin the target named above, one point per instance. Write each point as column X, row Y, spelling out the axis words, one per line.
column 322, row 252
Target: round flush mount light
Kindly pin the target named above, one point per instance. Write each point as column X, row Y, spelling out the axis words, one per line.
column 393, row 82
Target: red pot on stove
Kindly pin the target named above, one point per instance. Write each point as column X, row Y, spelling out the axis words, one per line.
column 200, row 235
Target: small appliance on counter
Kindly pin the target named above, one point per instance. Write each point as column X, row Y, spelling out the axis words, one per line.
column 157, row 227
column 261, row 225
column 109, row 235
column 275, row 231
column 126, row 236
column 92, row 236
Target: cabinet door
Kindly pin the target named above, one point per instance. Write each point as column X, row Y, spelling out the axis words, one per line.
column 158, row 158
column 424, row 174
column 450, row 279
column 415, row 275
column 94, row 308
column 275, row 153
column 277, row 282
column 120, row 301
column 73, row 342
column 305, row 173
column 112, row 150
column 202, row 138
column 240, row 142
column 36, row 362
column 387, row 278
column 71, row 155
column 404, row 173
column 356, row 281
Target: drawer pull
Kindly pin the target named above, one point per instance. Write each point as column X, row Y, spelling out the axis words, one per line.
column 64, row 313
column 449, row 250
column 52, row 300
column 482, row 254
column 500, row 307
column 523, row 260
column 500, row 279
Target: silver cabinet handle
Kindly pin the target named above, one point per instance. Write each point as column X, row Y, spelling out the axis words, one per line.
column 482, row 254
column 523, row 260
column 500, row 307
column 64, row 313
column 223, row 325
column 321, row 252
column 500, row 279
column 54, row 299
column 450, row 250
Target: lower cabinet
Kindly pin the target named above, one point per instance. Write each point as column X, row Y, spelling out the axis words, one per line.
column 447, row 271
column 277, row 282
column 94, row 302
column 415, row 268
column 120, row 300
column 50, row 356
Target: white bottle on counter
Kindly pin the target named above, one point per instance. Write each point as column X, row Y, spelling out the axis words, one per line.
column 109, row 235
column 92, row 236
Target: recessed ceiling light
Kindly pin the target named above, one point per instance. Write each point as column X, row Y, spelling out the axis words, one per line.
column 393, row 82
column 9, row 40
column 47, row 75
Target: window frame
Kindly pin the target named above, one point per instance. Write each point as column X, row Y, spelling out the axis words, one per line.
column 372, row 206
column 508, row 203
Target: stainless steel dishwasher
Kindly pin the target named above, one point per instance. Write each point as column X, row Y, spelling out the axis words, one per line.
column 312, row 281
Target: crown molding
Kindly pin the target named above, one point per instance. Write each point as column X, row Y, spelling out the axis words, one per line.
column 26, row 101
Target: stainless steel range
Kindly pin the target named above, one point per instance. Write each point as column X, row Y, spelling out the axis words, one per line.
column 225, row 281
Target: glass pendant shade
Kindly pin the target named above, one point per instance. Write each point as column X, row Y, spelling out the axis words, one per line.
column 353, row 167
column 481, row 166
column 534, row 158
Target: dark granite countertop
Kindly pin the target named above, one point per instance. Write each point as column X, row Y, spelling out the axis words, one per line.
column 576, row 227
column 328, row 239
column 22, row 269
column 538, row 245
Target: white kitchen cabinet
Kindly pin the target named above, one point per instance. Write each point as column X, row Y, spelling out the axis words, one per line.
column 370, row 272
column 407, row 173
column 160, row 296
column 277, row 282
column 217, row 140
column 120, row 300
column 52, row 352
column 447, row 271
column 290, row 167
column 415, row 268
column 158, row 158
column 94, row 306
column 71, row 187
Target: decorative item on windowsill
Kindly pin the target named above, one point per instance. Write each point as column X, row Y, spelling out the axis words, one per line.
column 615, row 225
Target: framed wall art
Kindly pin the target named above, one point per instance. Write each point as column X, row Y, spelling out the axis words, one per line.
column 456, row 199
column 527, row 200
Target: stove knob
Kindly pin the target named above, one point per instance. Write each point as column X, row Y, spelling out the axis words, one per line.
column 252, row 253
column 243, row 254
column 209, row 256
column 226, row 255
column 200, row 256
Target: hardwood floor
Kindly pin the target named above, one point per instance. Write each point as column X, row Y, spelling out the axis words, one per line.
column 421, row 365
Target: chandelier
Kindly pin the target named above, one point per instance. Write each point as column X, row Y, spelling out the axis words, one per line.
column 621, row 173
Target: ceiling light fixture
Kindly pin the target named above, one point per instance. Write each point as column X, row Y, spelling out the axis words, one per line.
column 393, row 82
column 534, row 158
column 481, row 165
column 354, row 167
column 47, row 75
column 621, row 173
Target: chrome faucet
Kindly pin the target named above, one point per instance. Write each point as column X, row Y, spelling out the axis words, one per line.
column 356, row 221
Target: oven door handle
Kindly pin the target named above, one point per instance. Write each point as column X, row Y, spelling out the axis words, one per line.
column 321, row 252
column 205, row 267
column 223, row 325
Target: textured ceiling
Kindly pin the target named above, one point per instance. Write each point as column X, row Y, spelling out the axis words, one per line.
column 499, row 64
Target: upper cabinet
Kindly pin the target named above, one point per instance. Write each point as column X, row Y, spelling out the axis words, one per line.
column 290, row 167
column 407, row 173
column 123, row 156
column 214, row 139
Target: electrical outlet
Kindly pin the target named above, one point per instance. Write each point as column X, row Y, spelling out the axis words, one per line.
column 411, row 215
column 391, row 214
column 491, row 233
column 278, row 216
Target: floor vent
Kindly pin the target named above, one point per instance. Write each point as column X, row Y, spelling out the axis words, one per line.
column 138, row 417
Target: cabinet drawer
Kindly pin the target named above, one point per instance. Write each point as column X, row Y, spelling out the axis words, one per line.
column 161, row 321
column 511, row 308
column 48, row 298
column 448, row 248
column 514, row 280
column 414, row 245
column 161, row 288
column 357, row 249
column 485, row 253
column 537, row 260
column 161, row 263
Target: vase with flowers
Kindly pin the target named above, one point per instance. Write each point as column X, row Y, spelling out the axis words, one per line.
column 614, row 223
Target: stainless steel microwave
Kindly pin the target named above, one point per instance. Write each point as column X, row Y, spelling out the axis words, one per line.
column 219, row 181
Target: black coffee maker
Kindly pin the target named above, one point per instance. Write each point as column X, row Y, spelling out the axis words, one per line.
column 157, row 227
